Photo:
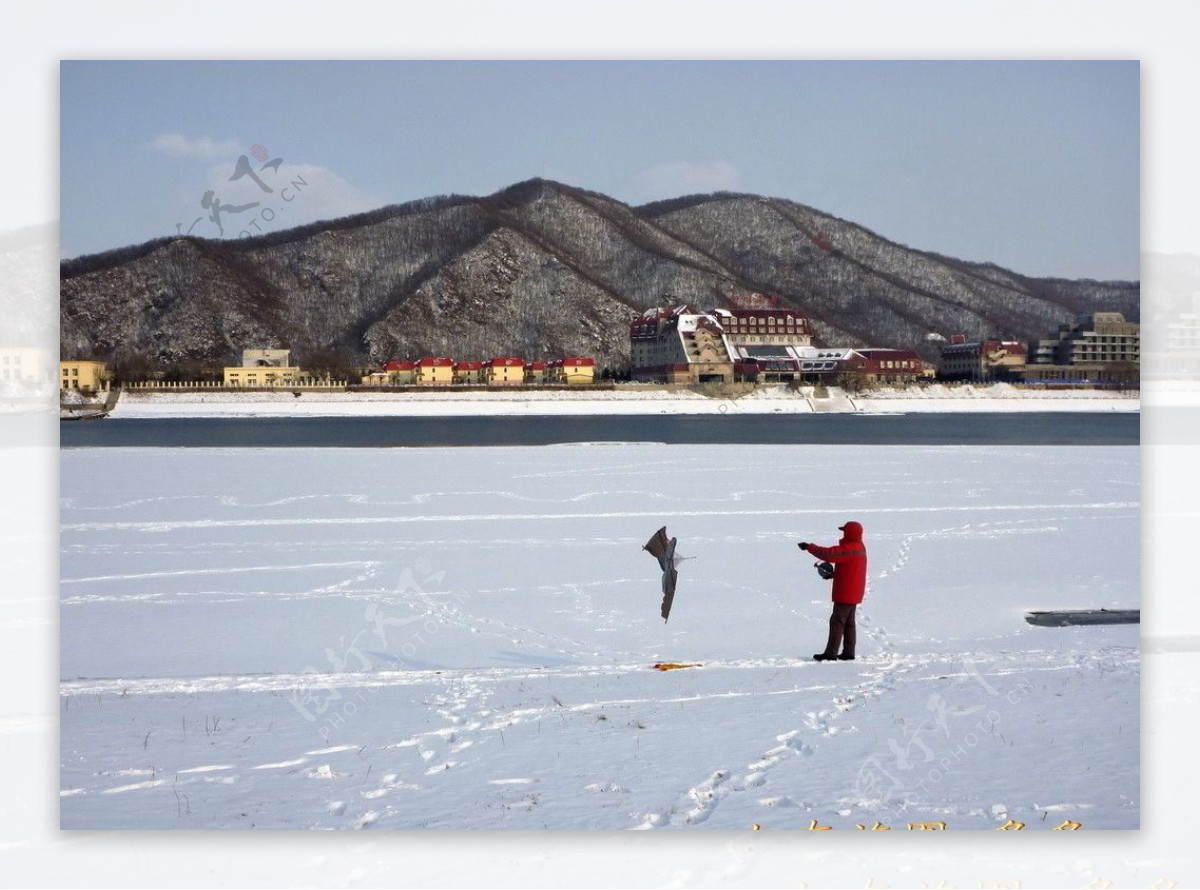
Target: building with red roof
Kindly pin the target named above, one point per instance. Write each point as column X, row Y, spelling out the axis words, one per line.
column 890, row 366
column 435, row 371
column 979, row 360
column 535, row 373
column 578, row 371
column 470, row 373
column 505, row 371
column 680, row 345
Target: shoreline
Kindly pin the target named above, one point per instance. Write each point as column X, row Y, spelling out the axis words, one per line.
column 994, row 398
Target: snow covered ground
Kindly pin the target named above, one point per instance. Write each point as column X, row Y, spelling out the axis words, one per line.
column 463, row 638
column 630, row 400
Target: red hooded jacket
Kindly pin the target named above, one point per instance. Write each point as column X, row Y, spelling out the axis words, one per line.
column 849, row 558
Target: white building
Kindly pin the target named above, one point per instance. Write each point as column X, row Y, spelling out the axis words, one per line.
column 266, row 358
column 263, row 368
column 1098, row 338
column 1098, row 349
column 680, row 345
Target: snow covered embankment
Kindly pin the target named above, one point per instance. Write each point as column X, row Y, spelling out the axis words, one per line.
column 766, row 400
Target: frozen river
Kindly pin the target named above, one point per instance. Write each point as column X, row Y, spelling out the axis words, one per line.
column 1005, row 428
column 463, row 638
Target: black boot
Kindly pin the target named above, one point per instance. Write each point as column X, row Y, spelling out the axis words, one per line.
column 834, row 643
column 845, row 657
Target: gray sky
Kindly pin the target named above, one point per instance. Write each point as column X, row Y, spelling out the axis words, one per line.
column 1031, row 165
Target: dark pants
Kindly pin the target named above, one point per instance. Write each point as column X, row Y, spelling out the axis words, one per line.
column 842, row 632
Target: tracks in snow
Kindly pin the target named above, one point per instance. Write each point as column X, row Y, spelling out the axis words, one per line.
column 288, row 682
column 817, row 728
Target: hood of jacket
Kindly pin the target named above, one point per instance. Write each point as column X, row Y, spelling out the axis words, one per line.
column 851, row 531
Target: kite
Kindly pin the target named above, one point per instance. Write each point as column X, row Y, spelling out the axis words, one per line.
column 662, row 548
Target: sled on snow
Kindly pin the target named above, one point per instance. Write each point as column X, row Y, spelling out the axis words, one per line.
column 1071, row 617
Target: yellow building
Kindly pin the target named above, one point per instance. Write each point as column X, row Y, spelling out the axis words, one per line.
column 86, row 376
column 394, row 373
column 579, row 370
column 26, row 364
column 262, row 376
column 263, row 367
column 536, row 372
column 506, row 371
column 435, row 371
column 470, row 373
column 401, row 373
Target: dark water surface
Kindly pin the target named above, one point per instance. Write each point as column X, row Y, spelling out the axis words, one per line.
column 1017, row 428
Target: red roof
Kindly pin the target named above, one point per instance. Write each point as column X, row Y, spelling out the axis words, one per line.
column 888, row 353
column 738, row 312
column 876, row 357
column 579, row 362
column 507, row 362
column 398, row 366
column 537, row 366
column 469, row 366
column 436, row 362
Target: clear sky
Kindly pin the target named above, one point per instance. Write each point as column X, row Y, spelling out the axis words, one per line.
column 1033, row 165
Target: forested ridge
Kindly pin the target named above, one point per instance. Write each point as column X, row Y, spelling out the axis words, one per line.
column 539, row 270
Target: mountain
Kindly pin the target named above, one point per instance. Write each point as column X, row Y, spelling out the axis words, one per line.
column 27, row 258
column 540, row 270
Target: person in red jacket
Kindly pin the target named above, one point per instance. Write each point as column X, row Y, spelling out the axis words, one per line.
column 849, row 558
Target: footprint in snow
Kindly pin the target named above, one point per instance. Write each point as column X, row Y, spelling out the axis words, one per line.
column 781, row 801
column 367, row 819
column 792, row 743
column 605, row 788
column 795, row 741
column 390, row 783
column 817, row 720
column 323, row 772
column 705, row 796
column 654, row 820
column 766, row 761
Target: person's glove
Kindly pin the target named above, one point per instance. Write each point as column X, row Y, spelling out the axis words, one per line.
column 803, row 545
